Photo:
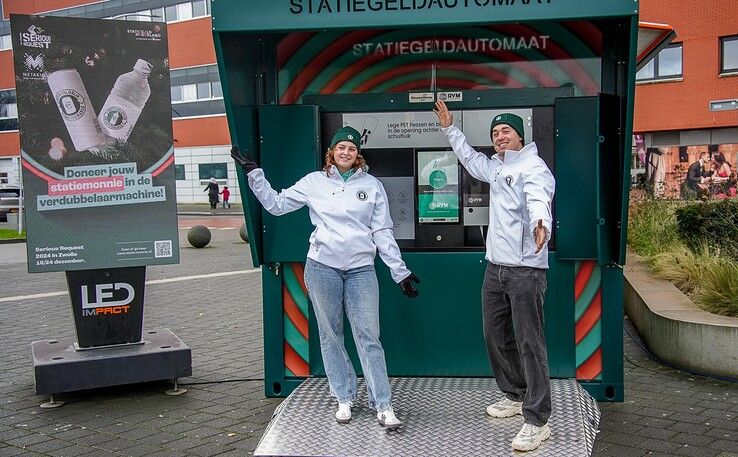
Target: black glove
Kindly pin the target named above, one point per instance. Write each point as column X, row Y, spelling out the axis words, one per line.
column 246, row 162
column 407, row 288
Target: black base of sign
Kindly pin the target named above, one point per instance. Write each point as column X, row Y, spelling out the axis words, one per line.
column 59, row 368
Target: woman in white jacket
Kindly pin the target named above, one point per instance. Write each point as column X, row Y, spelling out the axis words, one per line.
column 349, row 210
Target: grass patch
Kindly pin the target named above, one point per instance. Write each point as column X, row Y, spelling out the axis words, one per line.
column 652, row 226
column 707, row 274
column 11, row 234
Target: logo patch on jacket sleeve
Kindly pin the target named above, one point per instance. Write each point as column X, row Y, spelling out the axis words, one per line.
column 361, row 195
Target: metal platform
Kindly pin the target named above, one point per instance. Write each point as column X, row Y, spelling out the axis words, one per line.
column 443, row 417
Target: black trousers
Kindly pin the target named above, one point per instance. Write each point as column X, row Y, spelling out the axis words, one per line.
column 512, row 307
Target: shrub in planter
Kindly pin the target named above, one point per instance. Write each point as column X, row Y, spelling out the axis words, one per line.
column 713, row 223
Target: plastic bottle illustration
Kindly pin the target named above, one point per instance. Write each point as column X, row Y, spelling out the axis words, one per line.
column 126, row 101
column 76, row 110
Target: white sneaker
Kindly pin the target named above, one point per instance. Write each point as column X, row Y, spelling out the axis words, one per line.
column 530, row 437
column 505, row 408
column 343, row 415
column 388, row 419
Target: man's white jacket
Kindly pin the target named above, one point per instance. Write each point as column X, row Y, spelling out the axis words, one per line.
column 351, row 218
column 521, row 188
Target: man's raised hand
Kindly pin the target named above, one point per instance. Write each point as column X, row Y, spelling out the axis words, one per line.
column 444, row 116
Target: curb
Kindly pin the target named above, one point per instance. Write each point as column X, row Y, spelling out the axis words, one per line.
column 13, row 240
column 674, row 328
column 203, row 213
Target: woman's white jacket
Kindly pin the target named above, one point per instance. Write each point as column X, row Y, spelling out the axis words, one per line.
column 351, row 218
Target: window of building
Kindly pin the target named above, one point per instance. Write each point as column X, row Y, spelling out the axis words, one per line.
column 666, row 65
column 729, row 54
column 157, row 14
column 179, row 172
column 170, row 13
column 184, row 10
column 5, row 42
column 213, row 170
column 189, row 92
column 187, row 10
column 8, row 110
column 199, row 8
column 196, row 91
column 195, row 84
column 176, row 94
column 8, row 104
column 217, row 90
column 203, row 91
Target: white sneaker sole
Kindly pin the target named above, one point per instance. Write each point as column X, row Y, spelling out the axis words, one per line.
column 389, row 426
column 343, row 421
column 546, row 435
column 504, row 413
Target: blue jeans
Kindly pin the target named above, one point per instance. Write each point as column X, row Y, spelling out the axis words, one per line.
column 356, row 290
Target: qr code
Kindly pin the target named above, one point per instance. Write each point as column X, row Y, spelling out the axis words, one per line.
column 163, row 248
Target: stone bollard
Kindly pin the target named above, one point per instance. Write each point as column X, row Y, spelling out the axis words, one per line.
column 199, row 236
column 243, row 233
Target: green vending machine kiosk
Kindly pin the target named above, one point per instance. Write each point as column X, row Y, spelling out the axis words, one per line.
column 293, row 71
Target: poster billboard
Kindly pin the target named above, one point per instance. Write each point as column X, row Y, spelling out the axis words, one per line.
column 95, row 124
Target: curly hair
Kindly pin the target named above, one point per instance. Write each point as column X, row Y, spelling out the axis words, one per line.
column 360, row 162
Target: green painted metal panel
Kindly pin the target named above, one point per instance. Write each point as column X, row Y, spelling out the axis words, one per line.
column 271, row 284
column 588, row 172
column 608, row 173
column 290, row 145
column 577, row 141
column 440, row 332
column 558, row 323
column 239, row 82
column 628, row 79
column 612, row 332
column 283, row 15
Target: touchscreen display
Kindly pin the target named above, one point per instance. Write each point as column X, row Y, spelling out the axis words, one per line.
column 438, row 187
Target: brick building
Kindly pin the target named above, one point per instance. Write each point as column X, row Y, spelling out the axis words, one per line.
column 687, row 97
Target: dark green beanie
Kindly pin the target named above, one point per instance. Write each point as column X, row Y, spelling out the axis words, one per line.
column 514, row 121
column 347, row 134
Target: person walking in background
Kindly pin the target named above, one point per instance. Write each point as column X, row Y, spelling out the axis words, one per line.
column 212, row 190
column 521, row 189
column 350, row 212
column 226, row 196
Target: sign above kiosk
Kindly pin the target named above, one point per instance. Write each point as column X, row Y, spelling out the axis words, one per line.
column 286, row 15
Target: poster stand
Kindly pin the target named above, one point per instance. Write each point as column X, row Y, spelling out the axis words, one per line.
column 111, row 348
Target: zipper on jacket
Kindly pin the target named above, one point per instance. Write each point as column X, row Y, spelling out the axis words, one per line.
column 522, row 235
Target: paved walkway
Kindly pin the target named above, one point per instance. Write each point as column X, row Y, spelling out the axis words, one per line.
column 218, row 314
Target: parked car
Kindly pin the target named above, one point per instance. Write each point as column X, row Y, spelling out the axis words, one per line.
column 9, row 200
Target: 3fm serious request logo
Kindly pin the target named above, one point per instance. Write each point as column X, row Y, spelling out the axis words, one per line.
column 33, row 38
column 107, row 299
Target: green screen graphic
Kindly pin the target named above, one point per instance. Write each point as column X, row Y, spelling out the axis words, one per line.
column 438, row 187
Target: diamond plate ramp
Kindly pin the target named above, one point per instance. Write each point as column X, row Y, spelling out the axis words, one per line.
column 442, row 416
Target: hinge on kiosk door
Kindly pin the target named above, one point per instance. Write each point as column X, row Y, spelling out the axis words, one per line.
column 274, row 266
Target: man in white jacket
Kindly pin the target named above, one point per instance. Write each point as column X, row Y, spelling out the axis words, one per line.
column 521, row 190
